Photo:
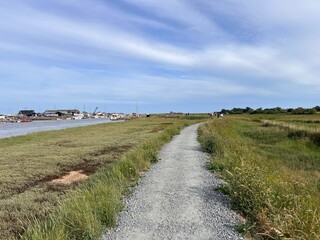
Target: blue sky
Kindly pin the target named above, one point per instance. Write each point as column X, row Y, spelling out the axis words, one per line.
column 169, row 55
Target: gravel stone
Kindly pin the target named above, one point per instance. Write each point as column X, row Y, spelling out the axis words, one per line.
column 176, row 198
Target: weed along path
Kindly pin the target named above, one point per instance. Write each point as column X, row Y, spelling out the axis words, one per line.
column 176, row 198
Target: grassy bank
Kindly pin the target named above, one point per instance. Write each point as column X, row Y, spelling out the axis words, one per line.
column 272, row 174
column 32, row 163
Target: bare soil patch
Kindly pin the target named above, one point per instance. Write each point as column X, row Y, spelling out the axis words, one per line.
column 160, row 128
column 71, row 177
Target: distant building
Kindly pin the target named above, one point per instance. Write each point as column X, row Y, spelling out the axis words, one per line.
column 59, row 113
column 26, row 113
column 51, row 113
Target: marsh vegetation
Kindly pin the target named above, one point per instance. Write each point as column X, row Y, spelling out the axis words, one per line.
column 272, row 171
column 108, row 155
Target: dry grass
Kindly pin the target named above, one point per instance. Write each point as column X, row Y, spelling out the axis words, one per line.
column 299, row 131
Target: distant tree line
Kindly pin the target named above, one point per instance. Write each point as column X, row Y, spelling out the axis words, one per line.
column 276, row 110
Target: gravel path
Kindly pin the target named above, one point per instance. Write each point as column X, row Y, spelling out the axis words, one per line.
column 176, row 198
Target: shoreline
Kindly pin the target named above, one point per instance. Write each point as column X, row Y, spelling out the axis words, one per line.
column 10, row 129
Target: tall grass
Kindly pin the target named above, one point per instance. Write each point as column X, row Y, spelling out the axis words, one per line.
column 278, row 201
column 94, row 207
column 297, row 131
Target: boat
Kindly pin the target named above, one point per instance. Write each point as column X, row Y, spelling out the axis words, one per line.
column 77, row 116
column 25, row 120
column 115, row 116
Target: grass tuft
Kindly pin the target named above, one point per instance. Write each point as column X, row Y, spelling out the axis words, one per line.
column 208, row 141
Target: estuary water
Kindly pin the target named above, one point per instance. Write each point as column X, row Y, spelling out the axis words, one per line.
column 17, row 129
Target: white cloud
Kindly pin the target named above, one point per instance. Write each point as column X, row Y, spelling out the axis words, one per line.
column 148, row 49
column 107, row 42
column 96, row 36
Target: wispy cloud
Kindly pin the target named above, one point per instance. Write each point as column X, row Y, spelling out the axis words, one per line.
column 171, row 52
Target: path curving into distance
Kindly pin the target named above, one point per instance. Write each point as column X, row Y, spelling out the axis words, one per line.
column 176, row 198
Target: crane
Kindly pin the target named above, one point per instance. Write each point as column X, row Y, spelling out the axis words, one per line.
column 94, row 112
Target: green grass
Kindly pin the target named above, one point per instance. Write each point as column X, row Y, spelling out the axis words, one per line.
column 29, row 163
column 272, row 177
